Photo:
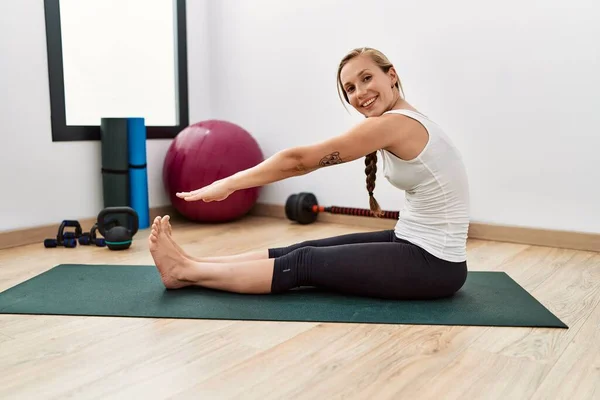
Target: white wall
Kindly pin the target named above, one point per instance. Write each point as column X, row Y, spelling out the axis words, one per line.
column 515, row 83
column 44, row 182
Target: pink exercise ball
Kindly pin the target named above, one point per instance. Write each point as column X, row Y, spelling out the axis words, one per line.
column 206, row 152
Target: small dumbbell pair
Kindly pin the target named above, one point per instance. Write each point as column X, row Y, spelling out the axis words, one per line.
column 66, row 239
column 70, row 239
column 89, row 238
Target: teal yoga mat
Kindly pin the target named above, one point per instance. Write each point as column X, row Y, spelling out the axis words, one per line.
column 487, row 299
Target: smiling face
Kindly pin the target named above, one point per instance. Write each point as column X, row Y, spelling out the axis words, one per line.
column 370, row 88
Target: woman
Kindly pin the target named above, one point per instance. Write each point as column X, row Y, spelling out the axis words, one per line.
column 423, row 257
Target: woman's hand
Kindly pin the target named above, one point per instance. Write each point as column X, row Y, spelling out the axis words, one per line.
column 216, row 191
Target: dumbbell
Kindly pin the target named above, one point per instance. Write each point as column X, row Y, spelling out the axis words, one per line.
column 66, row 239
column 304, row 209
column 89, row 238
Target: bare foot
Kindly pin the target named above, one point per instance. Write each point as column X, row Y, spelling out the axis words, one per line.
column 169, row 233
column 174, row 268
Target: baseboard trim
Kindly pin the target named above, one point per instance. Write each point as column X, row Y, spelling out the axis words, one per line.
column 26, row 236
column 477, row 230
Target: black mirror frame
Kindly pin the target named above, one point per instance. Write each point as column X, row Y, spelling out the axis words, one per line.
column 62, row 132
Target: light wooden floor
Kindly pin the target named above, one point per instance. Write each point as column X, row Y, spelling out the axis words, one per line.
column 47, row 357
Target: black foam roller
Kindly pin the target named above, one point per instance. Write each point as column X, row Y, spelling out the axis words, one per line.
column 115, row 163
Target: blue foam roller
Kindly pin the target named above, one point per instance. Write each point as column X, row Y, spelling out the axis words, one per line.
column 138, row 171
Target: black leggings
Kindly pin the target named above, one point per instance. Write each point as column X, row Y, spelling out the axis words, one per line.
column 374, row 264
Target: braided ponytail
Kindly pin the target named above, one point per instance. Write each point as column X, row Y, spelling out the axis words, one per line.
column 371, row 159
column 371, row 171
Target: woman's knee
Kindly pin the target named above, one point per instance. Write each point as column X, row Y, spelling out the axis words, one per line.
column 292, row 270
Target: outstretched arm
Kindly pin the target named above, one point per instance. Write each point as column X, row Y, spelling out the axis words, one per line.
column 366, row 137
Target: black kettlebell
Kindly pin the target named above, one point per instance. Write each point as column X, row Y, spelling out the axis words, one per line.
column 118, row 237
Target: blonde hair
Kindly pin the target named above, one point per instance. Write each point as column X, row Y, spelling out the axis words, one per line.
column 371, row 159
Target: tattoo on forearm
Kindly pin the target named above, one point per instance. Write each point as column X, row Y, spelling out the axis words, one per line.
column 331, row 159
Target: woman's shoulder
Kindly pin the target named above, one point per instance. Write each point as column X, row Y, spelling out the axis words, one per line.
column 412, row 135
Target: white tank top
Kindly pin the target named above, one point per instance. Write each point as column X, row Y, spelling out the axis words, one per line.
column 436, row 212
